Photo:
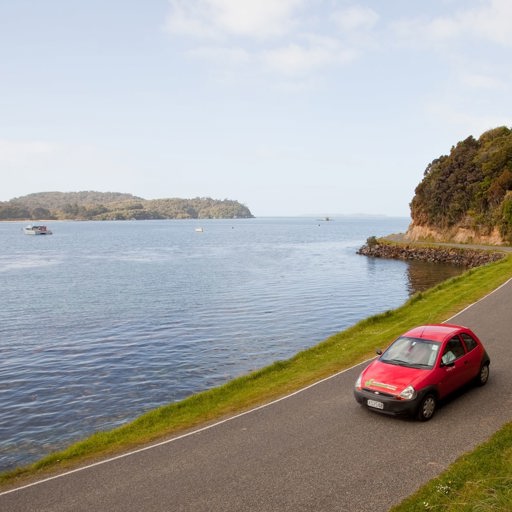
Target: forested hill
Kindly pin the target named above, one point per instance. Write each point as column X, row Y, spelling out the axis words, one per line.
column 467, row 195
column 116, row 206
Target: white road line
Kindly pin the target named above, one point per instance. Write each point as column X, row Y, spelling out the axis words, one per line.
column 168, row 441
column 479, row 300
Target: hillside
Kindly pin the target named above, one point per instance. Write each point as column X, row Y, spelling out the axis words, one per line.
column 116, row 206
column 466, row 196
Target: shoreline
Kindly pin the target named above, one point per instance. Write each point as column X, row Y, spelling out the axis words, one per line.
column 467, row 257
column 364, row 334
column 341, row 350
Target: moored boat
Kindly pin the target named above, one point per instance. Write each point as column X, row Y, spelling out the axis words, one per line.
column 36, row 230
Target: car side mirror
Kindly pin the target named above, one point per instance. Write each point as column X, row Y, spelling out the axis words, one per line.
column 448, row 364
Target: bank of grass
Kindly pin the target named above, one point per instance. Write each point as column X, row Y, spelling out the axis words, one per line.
column 339, row 351
column 478, row 481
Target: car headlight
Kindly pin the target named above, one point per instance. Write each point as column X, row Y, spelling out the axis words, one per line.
column 408, row 393
column 358, row 381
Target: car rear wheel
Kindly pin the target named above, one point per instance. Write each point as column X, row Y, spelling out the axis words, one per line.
column 483, row 375
column 427, row 407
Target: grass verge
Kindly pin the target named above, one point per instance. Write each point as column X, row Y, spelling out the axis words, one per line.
column 478, row 481
column 339, row 351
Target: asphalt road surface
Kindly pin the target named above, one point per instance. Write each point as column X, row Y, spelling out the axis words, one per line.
column 317, row 450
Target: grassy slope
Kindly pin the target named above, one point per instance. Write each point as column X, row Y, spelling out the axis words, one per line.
column 337, row 352
column 477, row 481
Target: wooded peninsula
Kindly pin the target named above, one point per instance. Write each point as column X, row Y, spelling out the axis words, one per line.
column 466, row 196
column 117, row 206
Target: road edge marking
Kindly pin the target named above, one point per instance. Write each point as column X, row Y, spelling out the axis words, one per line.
column 479, row 300
column 221, row 422
column 182, row 436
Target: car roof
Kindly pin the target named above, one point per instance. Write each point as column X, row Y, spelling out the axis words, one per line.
column 435, row 332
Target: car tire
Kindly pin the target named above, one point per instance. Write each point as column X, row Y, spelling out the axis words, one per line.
column 427, row 407
column 483, row 375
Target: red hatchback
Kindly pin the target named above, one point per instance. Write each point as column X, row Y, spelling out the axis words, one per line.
column 421, row 367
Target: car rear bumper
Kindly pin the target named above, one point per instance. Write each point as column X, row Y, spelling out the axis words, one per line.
column 387, row 404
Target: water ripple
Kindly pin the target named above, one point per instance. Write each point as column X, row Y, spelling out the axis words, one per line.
column 103, row 321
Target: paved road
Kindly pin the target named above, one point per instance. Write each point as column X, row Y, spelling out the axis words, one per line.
column 314, row 451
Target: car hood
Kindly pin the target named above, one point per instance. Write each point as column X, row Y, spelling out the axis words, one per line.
column 390, row 378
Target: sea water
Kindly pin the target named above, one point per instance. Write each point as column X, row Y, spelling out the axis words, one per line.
column 102, row 321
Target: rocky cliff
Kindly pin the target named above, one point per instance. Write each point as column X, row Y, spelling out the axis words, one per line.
column 466, row 196
column 458, row 233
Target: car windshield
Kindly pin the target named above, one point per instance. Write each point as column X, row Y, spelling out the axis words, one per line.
column 412, row 352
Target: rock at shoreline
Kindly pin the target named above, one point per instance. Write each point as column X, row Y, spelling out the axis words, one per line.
column 468, row 258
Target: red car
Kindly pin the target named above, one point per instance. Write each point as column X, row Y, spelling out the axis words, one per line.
column 420, row 368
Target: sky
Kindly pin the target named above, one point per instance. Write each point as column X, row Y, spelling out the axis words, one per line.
column 292, row 107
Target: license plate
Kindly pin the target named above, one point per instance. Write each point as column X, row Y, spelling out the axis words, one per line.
column 375, row 404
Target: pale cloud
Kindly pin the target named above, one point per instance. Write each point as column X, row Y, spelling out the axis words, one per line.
column 317, row 52
column 219, row 18
column 275, row 36
column 35, row 166
column 258, row 18
column 493, row 21
column 490, row 21
column 455, row 114
column 440, row 29
column 481, row 81
column 188, row 18
column 449, row 37
column 355, row 18
column 221, row 54
column 16, row 152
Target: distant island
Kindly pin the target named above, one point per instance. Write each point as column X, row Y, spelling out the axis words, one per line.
column 116, row 206
column 466, row 196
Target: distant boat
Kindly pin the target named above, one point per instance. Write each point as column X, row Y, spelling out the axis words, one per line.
column 36, row 230
column 199, row 230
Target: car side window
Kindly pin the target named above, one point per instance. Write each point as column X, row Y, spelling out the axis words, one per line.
column 453, row 350
column 469, row 341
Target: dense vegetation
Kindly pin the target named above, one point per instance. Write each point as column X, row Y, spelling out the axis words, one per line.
column 471, row 187
column 116, row 206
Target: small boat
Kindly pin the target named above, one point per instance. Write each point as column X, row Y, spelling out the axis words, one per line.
column 36, row 230
column 199, row 230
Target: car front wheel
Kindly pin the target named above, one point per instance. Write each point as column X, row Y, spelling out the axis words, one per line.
column 483, row 375
column 427, row 407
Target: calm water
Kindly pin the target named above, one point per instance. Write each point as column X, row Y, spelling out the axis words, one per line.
column 104, row 320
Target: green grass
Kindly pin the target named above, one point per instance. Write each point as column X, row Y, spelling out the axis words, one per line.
column 340, row 351
column 480, row 481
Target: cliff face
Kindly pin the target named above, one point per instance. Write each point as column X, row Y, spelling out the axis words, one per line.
column 466, row 196
column 458, row 234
